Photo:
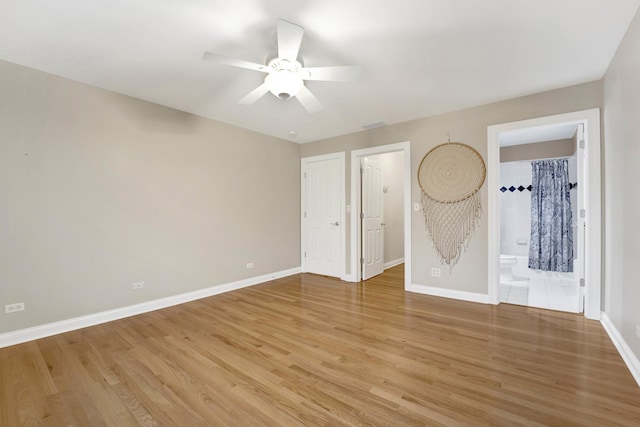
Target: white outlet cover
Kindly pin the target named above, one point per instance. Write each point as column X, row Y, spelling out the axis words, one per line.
column 12, row 308
column 417, row 207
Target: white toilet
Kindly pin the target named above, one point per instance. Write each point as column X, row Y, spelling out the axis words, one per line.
column 513, row 289
column 507, row 263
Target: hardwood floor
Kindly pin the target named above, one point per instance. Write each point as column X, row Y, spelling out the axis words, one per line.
column 309, row 350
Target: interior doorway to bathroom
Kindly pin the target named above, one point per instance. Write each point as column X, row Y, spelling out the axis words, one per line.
column 557, row 150
column 588, row 212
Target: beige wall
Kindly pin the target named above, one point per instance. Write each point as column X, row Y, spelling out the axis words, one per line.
column 100, row 190
column 622, row 196
column 538, row 150
column 470, row 127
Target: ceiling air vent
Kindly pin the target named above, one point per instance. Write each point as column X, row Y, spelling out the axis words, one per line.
column 374, row 125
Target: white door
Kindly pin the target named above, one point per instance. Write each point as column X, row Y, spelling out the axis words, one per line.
column 372, row 219
column 322, row 215
column 581, row 226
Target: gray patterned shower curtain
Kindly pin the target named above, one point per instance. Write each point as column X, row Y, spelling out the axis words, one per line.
column 551, row 247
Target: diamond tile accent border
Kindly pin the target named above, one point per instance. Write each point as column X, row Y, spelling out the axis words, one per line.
column 529, row 187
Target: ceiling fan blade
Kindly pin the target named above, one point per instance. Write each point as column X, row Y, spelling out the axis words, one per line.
column 240, row 63
column 341, row 73
column 289, row 39
column 308, row 100
column 254, row 95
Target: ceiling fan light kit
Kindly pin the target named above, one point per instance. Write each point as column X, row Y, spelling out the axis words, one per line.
column 286, row 74
column 284, row 80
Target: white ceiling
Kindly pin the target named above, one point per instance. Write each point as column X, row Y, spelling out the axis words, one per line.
column 537, row 134
column 420, row 57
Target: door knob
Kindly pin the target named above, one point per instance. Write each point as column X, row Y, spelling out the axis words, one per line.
column 335, row 223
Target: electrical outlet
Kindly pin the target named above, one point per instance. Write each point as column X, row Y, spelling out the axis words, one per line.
column 249, row 265
column 435, row 272
column 417, row 207
column 12, row 308
column 137, row 285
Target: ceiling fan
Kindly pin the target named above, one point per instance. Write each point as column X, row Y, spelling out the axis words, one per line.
column 286, row 73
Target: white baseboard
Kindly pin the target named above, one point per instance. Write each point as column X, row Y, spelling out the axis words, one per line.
column 629, row 358
column 352, row 277
column 393, row 263
column 49, row 329
column 449, row 293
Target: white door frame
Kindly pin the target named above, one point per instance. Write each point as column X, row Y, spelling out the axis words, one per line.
column 356, row 253
column 303, row 203
column 593, row 204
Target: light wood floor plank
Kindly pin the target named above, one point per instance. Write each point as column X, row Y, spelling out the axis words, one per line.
column 311, row 350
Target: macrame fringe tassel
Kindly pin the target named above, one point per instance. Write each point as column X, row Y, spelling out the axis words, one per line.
column 450, row 225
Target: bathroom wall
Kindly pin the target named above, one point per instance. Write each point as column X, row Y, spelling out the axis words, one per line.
column 538, row 150
column 515, row 208
column 573, row 178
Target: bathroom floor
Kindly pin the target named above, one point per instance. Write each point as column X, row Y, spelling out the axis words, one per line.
column 556, row 293
column 543, row 289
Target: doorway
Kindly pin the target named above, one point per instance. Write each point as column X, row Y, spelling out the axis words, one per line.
column 554, row 282
column 356, row 252
column 382, row 191
column 590, row 213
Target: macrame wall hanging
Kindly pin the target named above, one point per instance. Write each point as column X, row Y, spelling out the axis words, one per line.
column 450, row 177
